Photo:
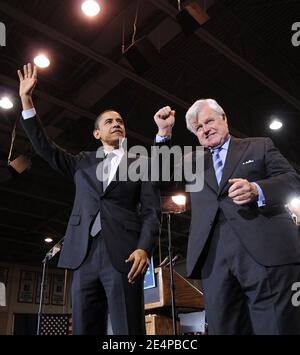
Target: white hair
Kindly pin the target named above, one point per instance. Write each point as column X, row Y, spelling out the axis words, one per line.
column 193, row 112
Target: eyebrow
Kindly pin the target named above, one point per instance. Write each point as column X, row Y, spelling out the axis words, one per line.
column 208, row 118
column 111, row 118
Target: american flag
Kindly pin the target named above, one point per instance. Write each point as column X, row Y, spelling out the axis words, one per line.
column 56, row 324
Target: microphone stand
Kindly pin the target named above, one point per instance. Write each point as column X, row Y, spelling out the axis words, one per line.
column 42, row 294
column 170, row 205
column 50, row 254
column 171, row 272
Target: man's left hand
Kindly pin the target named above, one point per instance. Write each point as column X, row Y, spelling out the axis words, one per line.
column 140, row 264
column 242, row 191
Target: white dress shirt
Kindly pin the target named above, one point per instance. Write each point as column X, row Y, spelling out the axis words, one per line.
column 115, row 161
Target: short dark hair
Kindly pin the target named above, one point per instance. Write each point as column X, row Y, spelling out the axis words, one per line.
column 96, row 126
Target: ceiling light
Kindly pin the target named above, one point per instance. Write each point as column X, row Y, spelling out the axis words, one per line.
column 48, row 240
column 90, row 8
column 42, row 61
column 6, row 103
column 275, row 125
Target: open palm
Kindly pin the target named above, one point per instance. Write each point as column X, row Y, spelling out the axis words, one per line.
column 28, row 80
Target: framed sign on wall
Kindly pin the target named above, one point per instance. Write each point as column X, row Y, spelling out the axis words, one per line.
column 26, row 286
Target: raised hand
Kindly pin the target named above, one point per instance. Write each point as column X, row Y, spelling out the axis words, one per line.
column 28, row 80
column 165, row 120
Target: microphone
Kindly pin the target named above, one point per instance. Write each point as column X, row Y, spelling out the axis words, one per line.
column 176, row 257
column 53, row 251
column 164, row 262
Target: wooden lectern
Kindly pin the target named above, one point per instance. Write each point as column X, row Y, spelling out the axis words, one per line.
column 158, row 300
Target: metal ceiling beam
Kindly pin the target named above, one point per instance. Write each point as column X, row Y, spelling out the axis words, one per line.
column 87, row 52
column 213, row 42
column 32, row 215
column 4, row 79
column 22, row 242
column 21, row 229
column 170, row 11
column 40, row 198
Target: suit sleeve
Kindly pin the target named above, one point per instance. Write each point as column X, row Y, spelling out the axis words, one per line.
column 58, row 158
column 150, row 213
column 281, row 181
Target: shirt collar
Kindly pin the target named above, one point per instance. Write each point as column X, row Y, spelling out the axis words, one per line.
column 118, row 152
column 224, row 146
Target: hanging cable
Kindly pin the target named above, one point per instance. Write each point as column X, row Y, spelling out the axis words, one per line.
column 13, row 137
column 123, row 36
column 135, row 22
column 179, row 5
column 159, row 239
column 159, row 41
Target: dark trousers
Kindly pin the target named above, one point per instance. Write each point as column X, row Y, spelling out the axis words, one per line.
column 242, row 296
column 98, row 288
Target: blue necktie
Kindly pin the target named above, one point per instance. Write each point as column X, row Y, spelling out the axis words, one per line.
column 218, row 163
column 105, row 175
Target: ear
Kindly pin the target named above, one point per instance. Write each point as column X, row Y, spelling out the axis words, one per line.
column 97, row 134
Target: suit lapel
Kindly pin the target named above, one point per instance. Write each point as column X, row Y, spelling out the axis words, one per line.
column 91, row 172
column 121, row 173
column 235, row 152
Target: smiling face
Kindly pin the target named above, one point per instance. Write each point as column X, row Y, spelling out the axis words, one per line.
column 211, row 128
column 110, row 129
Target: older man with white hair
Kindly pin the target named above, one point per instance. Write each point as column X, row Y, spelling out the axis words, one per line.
column 243, row 243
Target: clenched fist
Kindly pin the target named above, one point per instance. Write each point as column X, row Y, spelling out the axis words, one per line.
column 165, row 119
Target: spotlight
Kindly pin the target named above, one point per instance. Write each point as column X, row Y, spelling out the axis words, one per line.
column 173, row 202
column 179, row 200
column 90, row 8
column 42, row 61
column 6, row 103
column 275, row 125
column 294, row 209
column 295, row 202
column 48, row 240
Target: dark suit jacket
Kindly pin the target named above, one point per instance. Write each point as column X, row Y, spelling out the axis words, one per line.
column 130, row 211
column 268, row 234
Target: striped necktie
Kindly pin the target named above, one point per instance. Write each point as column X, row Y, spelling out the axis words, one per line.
column 218, row 163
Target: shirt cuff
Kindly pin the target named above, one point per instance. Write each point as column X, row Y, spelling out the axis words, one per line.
column 261, row 202
column 28, row 113
column 160, row 139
